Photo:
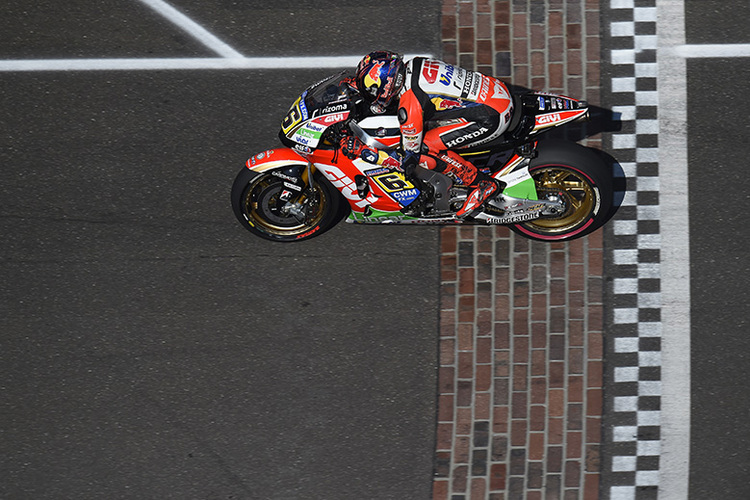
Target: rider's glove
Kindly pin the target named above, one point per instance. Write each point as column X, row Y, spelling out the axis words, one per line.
column 352, row 147
column 409, row 164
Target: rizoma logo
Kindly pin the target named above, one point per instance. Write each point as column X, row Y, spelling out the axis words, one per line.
column 430, row 71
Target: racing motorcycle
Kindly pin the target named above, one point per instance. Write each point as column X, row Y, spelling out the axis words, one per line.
column 554, row 190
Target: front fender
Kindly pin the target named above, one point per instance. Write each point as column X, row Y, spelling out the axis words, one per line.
column 275, row 158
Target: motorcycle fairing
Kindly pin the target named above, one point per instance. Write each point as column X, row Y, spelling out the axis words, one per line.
column 275, row 158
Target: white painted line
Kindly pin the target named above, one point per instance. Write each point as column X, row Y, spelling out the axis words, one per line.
column 185, row 63
column 192, row 28
column 674, row 461
column 179, row 63
column 713, row 50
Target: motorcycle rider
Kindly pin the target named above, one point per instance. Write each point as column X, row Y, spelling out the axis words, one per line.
column 440, row 108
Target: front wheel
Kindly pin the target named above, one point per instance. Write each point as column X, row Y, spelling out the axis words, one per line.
column 266, row 208
column 577, row 177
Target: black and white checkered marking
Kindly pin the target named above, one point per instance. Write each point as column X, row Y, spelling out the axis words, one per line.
column 635, row 350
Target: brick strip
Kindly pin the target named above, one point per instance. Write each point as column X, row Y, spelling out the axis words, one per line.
column 521, row 356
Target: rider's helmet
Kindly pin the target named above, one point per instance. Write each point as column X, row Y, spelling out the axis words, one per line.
column 379, row 78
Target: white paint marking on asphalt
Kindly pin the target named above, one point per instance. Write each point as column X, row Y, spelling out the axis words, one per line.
column 191, row 27
column 179, row 63
column 675, row 253
column 185, row 63
column 713, row 50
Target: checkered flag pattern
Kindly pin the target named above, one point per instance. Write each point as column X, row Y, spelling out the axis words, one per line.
column 634, row 352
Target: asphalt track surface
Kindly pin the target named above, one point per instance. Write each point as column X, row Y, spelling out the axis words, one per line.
column 718, row 129
column 151, row 347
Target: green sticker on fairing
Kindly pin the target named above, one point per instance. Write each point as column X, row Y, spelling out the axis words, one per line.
column 377, row 216
column 520, row 184
column 525, row 189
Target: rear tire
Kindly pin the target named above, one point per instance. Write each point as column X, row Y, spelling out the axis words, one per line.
column 256, row 204
column 580, row 179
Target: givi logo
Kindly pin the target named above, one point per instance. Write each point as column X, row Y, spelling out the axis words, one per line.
column 550, row 118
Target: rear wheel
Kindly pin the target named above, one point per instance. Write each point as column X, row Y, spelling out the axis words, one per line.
column 580, row 180
column 267, row 208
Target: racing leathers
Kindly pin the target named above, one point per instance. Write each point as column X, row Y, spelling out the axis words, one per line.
column 443, row 108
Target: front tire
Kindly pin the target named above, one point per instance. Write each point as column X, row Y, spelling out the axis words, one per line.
column 579, row 178
column 257, row 204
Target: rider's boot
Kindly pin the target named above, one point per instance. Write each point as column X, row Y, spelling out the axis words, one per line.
column 483, row 191
column 484, row 185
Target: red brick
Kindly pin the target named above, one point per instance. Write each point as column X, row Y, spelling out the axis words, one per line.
column 593, row 458
column 555, row 431
column 537, row 418
column 555, row 23
column 520, row 49
column 466, row 14
column 444, row 436
column 556, row 406
column 448, row 237
column 594, row 402
column 466, row 280
column 446, row 383
column 463, row 393
column 502, row 11
column 575, row 389
column 447, row 351
column 447, row 323
column 536, row 445
column 448, row 27
column 538, row 363
column 500, row 415
column 463, row 421
column 482, row 404
column 556, row 76
column 593, row 429
column 520, row 321
column 485, row 54
column 502, row 335
column 573, row 35
column 483, row 377
column 502, row 280
column 459, row 478
column 591, row 487
column 538, row 390
column 520, row 377
column 466, row 365
column 440, row 489
column 502, row 306
column 502, row 38
column 554, row 458
column 572, row 472
column 594, row 379
column 484, row 323
column 466, row 40
column 518, row 432
column 556, row 374
column 575, row 333
column 478, row 488
column 501, row 391
column 595, row 342
column 465, row 336
column 575, row 360
column 574, row 445
column 519, row 25
column 445, row 408
column 520, row 349
column 538, row 37
column 498, row 474
column 538, row 335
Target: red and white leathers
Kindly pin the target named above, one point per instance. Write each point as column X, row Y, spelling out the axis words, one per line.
column 443, row 107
